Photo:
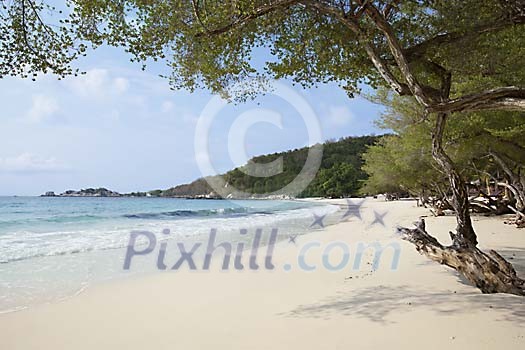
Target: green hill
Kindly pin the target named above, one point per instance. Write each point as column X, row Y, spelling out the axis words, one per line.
column 340, row 173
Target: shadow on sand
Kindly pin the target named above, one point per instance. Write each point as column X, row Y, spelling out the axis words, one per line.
column 378, row 303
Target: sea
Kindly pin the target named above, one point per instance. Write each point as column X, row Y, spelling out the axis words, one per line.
column 53, row 248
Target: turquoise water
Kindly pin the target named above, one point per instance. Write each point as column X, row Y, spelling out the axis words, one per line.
column 52, row 248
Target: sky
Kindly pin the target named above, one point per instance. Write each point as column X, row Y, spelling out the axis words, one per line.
column 124, row 129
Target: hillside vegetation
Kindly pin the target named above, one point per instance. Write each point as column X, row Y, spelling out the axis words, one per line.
column 340, row 173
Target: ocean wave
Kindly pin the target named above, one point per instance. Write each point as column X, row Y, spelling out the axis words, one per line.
column 199, row 213
column 58, row 219
column 174, row 214
column 114, row 234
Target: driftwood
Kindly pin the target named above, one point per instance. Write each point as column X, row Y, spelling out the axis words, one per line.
column 481, row 205
column 490, row 272
column 439, row 205
column 519, row 221
column 489, row 205
column 496, row 205
column 437, row 212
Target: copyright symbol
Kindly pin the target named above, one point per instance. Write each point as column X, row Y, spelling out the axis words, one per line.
column 236, row 141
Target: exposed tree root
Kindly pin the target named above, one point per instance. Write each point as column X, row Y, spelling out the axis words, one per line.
column 490, row 272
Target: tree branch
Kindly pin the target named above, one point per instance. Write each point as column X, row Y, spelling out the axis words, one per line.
column 422, row 48
column 261, row 11
column 399, row 56
column 504, row 166
column 505, row 98
column 387, row 11
column 196, row 12
column 377, row 61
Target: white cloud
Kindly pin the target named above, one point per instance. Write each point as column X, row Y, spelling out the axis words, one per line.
column 339, row 115
column 121, row 85
column 91, row 83
column 178, row 114
column 30, row 163
column 43, row 108
column 167, row 106
column 98, row 83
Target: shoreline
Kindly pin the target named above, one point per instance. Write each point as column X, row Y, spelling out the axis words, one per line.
column 89, row 267
column 281, row 309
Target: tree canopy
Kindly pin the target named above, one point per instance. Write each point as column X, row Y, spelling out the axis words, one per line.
column 485, row 146
column 411, row 46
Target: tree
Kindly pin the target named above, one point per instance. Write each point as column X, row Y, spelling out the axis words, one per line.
column 390, row 165
column 484, row 146
column 340, row 180
column 431, row 50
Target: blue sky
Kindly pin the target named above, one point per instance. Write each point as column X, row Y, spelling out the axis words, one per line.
column 124, row 129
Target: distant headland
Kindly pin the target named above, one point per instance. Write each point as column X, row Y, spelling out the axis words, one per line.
column 104, row 192
column 340, row 175
column 89, row 192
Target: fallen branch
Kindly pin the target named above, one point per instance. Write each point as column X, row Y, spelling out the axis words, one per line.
column 519, row 213
column 487, row 208
column 491, row 273
column 519, row 221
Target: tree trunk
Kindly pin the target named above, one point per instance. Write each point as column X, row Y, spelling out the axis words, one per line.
column 460, row 200
column 517, row 182
column 491, row 273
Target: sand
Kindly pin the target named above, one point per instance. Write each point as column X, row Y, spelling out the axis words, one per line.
column 420, row 305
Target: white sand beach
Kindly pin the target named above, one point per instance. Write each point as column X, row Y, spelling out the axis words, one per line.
column 420, row 305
